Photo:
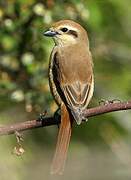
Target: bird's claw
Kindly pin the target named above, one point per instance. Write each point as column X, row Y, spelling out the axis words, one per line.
column 42, row 116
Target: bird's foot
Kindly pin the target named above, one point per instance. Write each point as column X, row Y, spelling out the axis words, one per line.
column 42, row 116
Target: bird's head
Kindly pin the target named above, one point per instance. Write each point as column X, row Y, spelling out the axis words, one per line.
column 67, row 32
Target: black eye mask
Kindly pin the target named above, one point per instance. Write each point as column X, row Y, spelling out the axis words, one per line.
column 74, row 33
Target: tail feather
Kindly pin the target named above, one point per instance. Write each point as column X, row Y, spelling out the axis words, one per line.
column 62, row 143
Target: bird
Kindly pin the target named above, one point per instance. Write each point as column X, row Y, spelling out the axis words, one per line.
column 71, row 81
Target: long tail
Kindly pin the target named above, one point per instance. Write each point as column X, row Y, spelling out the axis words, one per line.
column 63, row 140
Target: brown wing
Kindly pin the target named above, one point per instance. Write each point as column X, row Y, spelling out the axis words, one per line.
column 77, row 94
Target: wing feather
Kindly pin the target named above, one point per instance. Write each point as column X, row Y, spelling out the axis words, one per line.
column 77, row 93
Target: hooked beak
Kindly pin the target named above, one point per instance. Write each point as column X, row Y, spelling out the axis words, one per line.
column 50, row 33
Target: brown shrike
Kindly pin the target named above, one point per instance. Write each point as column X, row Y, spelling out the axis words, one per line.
column 71, row 81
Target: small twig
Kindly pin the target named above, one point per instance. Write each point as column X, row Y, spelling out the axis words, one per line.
column 18, row 149
column 47, row 121
column 27, row 125
column 19, row 137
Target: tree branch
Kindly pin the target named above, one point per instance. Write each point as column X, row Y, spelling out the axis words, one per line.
column 47, row 121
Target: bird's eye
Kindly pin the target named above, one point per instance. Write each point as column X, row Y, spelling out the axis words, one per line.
column 64, row 29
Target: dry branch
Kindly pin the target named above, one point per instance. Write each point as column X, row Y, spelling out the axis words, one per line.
column 47, row 121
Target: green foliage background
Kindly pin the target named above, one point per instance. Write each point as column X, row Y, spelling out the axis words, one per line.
column 100, row 149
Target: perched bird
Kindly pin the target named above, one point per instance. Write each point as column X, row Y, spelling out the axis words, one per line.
column 71, row 81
